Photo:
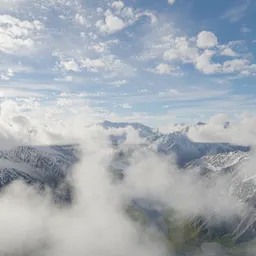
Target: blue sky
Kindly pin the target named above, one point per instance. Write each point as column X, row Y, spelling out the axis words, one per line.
column 138, row 60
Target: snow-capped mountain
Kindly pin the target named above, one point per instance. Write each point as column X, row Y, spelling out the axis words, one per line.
column 187, row 150
column 177, row 143
column 47, row 164
column 44, row 164
column 219, row 162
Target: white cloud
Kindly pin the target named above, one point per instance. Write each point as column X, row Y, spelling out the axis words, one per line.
column 237, row 12
column 13, row 93
column 181, row 50
column 9, row 5
column 151, row 15
column 80, row 19
column 101, row 47
column 64, row 79
column 129, row 14
column 245, row 30
column 92, row 65
column 99, row 202
column 164, row 68
column 240, row 131
column 118, row 83
column 240, row 66
column 206, row 39
column 236, row 65
column 204, row 64
column 143, row 90
column 7, row 75
column 109, row 65
column 118, row 5
column 171, row 2
column 111, row 24
column 126, row 106
column 170, row 92
column 17, row 36
column 64, row 102
column 227, row 51
column 70, row 65
column 121, row 18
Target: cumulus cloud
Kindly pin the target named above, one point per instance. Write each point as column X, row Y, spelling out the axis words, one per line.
column 80, row 19
column 227, row 51
column 118, row 5
column 111, row 24
column 206, row 39
column 18, row 34
column 70, row 65
column 205, row 65
column 235, row 65
column 120, row 17
column 164, row 68
column 240, row 131
column 181, row 50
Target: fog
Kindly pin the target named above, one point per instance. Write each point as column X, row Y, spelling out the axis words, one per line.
column 96, row 223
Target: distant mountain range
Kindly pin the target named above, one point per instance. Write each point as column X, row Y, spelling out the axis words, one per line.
column 48, row 166
column 176, row 143
column 50, row 163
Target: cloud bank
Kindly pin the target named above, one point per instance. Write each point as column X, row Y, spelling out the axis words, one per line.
column 96, row 222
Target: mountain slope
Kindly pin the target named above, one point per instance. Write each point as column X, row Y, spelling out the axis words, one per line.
column 45, row 164
column 176, row 143
column 48, row 165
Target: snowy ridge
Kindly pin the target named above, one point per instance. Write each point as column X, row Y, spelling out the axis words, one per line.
column 50, row 163
column 35, row 164
column 176, row 143
column 221, row 161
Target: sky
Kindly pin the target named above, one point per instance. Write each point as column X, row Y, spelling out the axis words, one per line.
column 155, row 62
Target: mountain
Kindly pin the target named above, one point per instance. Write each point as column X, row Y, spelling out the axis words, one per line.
column 48, row 166
column 220, row 162
column 39, row 166
column 176, row 143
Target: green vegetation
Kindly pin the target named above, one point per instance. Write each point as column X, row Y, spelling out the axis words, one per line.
column 186, row 235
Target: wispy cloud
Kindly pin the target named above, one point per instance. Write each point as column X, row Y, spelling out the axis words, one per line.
column 237, row 12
